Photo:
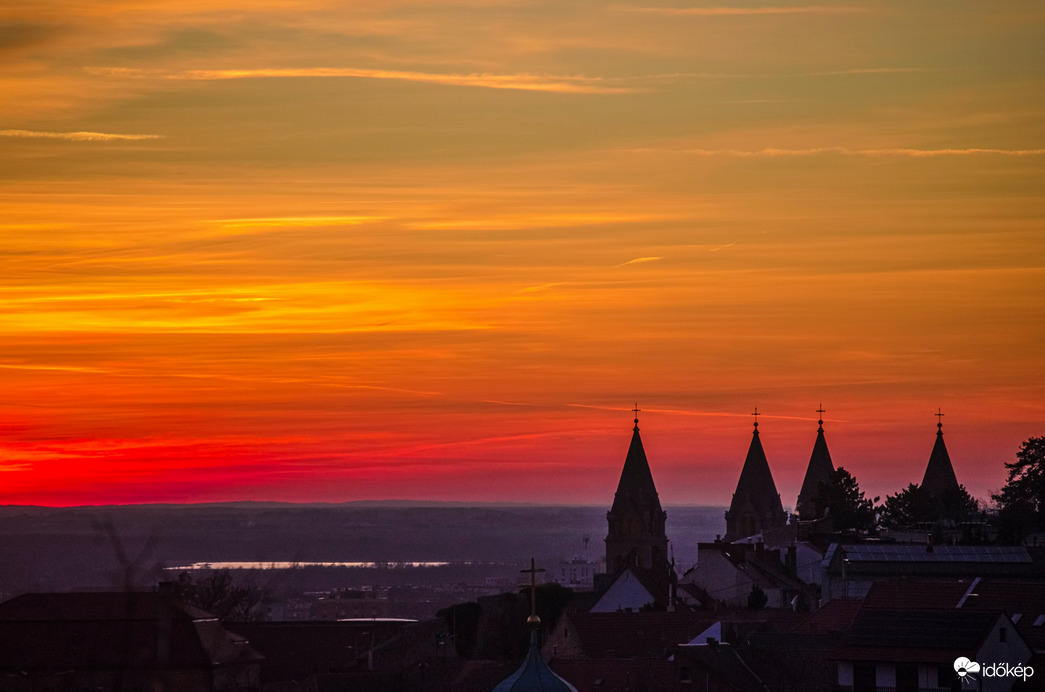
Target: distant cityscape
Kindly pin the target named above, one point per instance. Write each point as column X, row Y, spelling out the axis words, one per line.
column 843, row 595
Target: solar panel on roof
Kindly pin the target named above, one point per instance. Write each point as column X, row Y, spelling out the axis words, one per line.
column 947, row 553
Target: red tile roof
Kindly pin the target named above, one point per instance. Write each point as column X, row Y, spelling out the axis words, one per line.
column 834, row 616
column 916, row 592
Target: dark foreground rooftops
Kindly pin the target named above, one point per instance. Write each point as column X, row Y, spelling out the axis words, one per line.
column 934, row 636
column 120, row 641
column 881, row 552
column 57, row 631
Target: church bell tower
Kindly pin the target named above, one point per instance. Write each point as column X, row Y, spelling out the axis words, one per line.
column 636, row 537
column 756, row 504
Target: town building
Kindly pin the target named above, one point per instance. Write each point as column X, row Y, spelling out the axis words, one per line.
column 850, row 569
column 119, row 641
column 726, row 574
column 909, row 650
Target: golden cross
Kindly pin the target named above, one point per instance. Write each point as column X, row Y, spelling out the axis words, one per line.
column 533, row 571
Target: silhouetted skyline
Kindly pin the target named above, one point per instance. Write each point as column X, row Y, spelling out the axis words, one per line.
column 326, row 251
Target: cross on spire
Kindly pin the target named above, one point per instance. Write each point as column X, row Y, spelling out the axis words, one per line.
column 939, row 419
column 756, row 414
column 533, row 620
column 821, row 411
column 636, row 412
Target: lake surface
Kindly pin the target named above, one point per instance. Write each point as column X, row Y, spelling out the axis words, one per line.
column 295, row 565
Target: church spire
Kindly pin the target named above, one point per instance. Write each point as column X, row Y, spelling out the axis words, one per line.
column 819, row 471
column 636, row 489
column 534, row 675
column 756, row 504
column 636, row 520
column 939, row 476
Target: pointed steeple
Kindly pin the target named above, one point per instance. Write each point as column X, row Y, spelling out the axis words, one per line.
column 756, row 504
column 819, row 471
column 939, row 476
column 636, row 520
column 636, row 489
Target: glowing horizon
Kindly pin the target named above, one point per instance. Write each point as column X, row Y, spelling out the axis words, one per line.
column 304, row 251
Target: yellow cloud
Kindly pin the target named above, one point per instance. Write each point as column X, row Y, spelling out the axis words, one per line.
column 305, row 221
column 639, row 260
column 77, row 136
column 523, row 81
column 535, row 221
column 743, row 11
column 845, row 151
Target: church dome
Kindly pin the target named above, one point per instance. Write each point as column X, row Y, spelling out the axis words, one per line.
column 534, row 675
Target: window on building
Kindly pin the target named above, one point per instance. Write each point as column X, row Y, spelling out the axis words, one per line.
column 907, row 678
column 947, row 679
column 865, row 678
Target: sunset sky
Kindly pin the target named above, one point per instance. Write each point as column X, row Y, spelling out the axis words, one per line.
column 315, row 250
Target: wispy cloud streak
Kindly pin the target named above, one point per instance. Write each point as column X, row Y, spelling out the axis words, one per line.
column 639, row 260
column 523, row 81
column 844, row 151
column 742, row 11
column 59, row 368
column 306, row 221
column 77, row 136
column 876, row 70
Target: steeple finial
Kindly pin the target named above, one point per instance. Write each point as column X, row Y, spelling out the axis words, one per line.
column 533, row 673
column 756, row 414
column 636, row 412
column 533, row 621
column 820, row 422
column 939, row 421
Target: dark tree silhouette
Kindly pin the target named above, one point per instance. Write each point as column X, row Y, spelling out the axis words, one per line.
column 914, row 505
column 218, row 594
column 910, row 506
column 498, row 629
column 462, row 620
column 958, row 505
column 1021, row 503
column 841, row 499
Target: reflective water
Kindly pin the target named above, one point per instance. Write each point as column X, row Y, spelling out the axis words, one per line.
column 294, row 565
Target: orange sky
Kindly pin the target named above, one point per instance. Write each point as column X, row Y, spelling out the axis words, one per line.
column 322, row 251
